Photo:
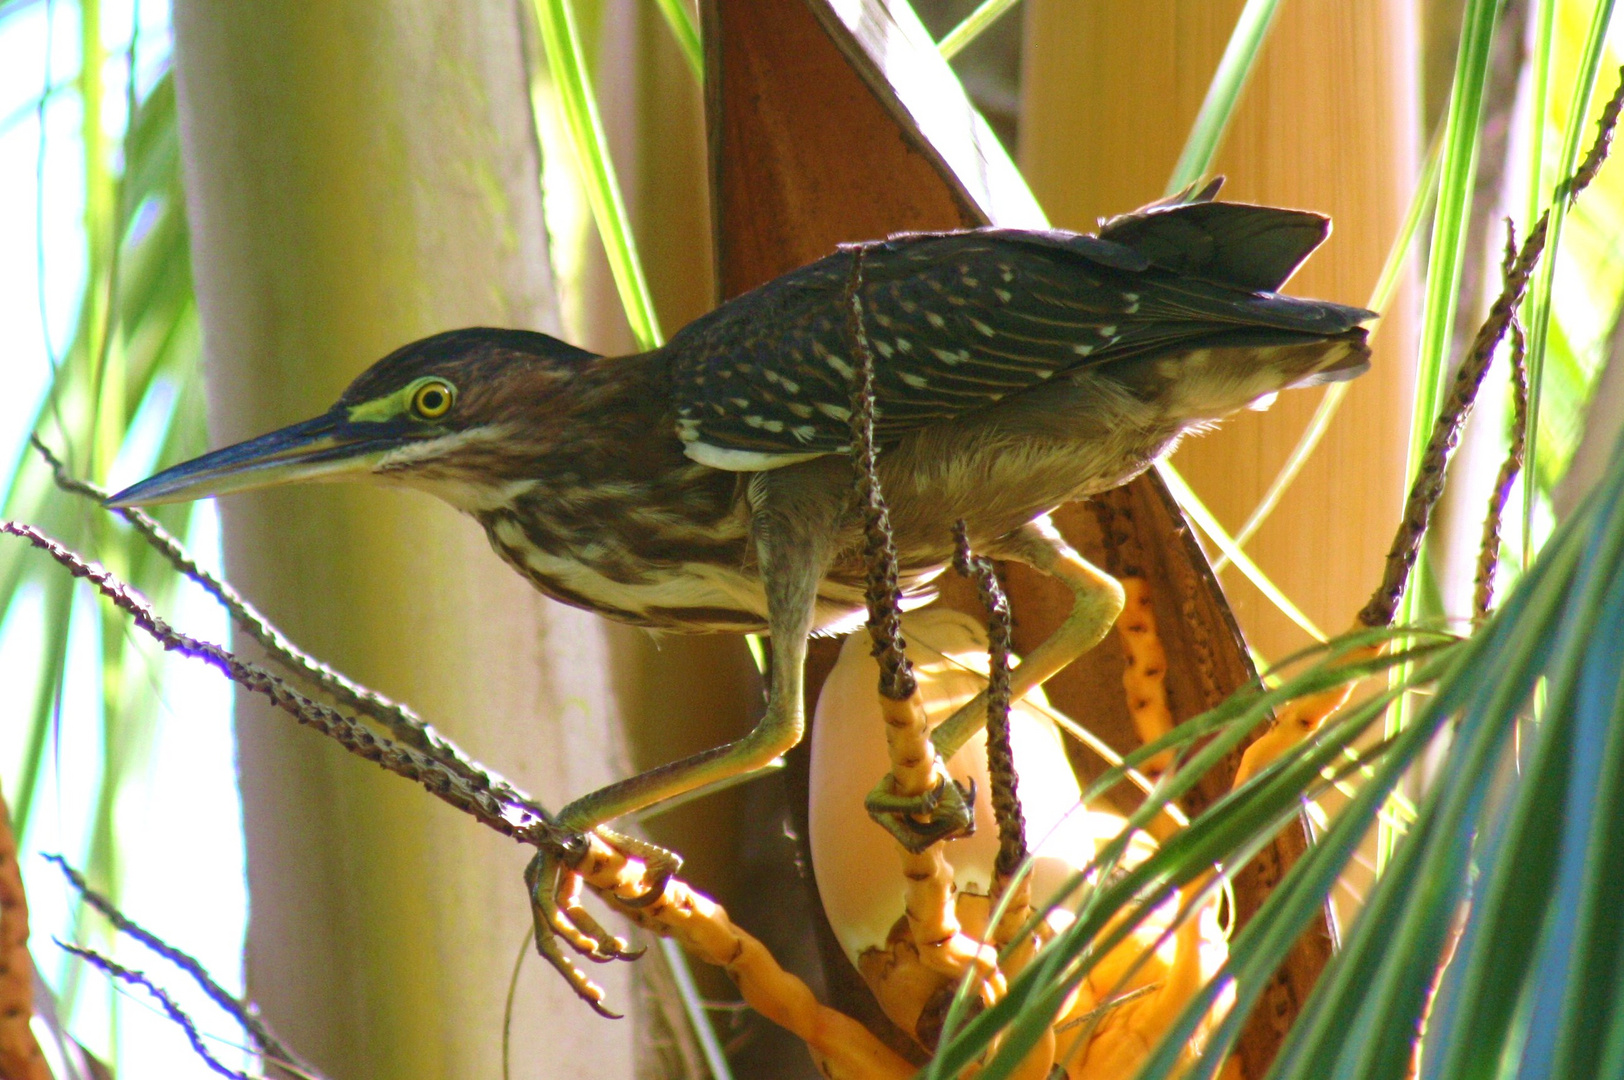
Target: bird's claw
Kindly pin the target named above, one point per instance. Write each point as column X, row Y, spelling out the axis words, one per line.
column 555, row 905
column 660, row 865
column 554, row 882
column 946, row 812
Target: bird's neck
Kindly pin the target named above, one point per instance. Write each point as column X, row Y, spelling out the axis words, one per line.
column 610, row 422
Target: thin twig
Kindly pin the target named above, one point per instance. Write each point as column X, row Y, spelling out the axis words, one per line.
column 518, row 817
column 879, row 552
column 264, row 1039
column 175, row 1012
column 1006, row 801
column 1606, row 125
column 622, row 877
column 1488, row 557
column 401, row 722
column 1429, row 480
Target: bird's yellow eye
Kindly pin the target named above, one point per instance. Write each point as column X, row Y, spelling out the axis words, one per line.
column 433, row 399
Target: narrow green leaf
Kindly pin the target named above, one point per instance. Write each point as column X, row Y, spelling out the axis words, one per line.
column 1198, row 512
column 1542, row 17
column 1451, row 221
column 686, row 30
column 48, row 685
column 578, row 108
column 1538, row 304
column 1575, row 979
column 1450, row 233
column 1421, row 201
column 1257, row 951
column 1240, row 822
column 1592, row 1005
column 987, row 13
column 1223, row 94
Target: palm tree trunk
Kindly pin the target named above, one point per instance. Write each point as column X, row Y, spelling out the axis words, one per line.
column 359, row 175
column 1327, row 123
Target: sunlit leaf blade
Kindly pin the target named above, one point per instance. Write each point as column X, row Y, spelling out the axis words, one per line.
column 53, row 630
column 1478, row 693
column 1451, row 219
column 685, row 29
column 1598, row 933
column 1542, row 18
column 1508, row 940
column 1538, row 630
column 1208, row 523
column 1243, row 821
column 134, row 350
column 972, row 26
column 1381, row 295
column 1538, row 304
column 1223, row 93
column 1542, row 842
column 578, row 108
column 1195, row 161
column 1560, row 1042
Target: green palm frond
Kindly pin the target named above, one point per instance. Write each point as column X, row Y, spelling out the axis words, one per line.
column 972, row 26
column 577, row 105
column 1538, row 305
column 1223, row 94
column 1534, row 976
column 685, row 29
column 134, row 352
column 1451, row 220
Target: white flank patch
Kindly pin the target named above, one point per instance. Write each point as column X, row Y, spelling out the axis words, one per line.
column 729, row 460
column 694, row 585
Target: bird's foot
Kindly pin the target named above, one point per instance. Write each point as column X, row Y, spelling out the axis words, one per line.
column 555, row 878
column 946, row 812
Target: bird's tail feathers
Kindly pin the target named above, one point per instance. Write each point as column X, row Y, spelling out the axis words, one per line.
column 1347, row 356
column 1247, row 368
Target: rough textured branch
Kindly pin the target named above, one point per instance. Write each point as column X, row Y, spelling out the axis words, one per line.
column 1006, row 802
column 20, row 1056
column 1488, row 557
column 401, row 722
column 482, row 800
column 1606, row 125
column 1429, row 480
column 843, row 1048
column 264, row 1039
column 884, row 610
column 174, row 1011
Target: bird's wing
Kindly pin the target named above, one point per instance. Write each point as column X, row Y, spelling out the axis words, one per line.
column 1249, row 247
column 955, row 322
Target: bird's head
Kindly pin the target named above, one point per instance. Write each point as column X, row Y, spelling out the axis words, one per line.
column 449, row 414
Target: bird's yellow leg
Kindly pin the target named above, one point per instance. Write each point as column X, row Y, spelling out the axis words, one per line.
column 554, row 878
column 794, row 530
column 793, row 552
column 779, row 729
column 1097, row 601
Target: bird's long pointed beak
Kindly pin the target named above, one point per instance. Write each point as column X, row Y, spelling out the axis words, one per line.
column 329, row 447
